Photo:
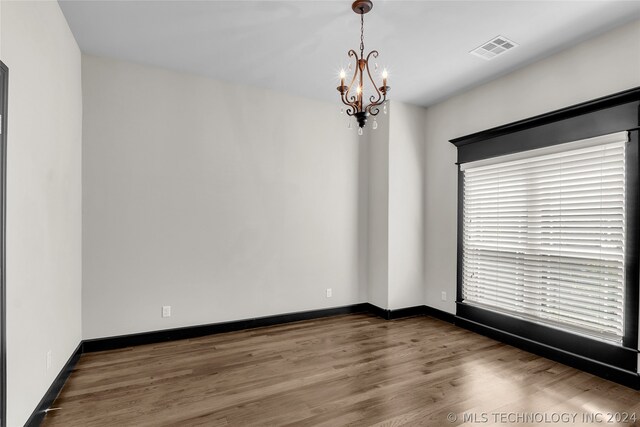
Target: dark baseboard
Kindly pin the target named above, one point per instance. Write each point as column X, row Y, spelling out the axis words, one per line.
column 152, row 337
column 399, row 313
column 439, row 314
column 388, row 314
column 50, row 396
column 377, row 311
column 122, row 341
column 621, row 376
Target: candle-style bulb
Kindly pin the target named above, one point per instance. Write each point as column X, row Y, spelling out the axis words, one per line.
column 385, row 74
column 342, row 74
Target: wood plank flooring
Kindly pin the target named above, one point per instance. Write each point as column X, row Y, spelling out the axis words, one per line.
column 346, row 370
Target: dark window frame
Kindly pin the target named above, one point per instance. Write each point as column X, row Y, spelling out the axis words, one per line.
column 609, row 114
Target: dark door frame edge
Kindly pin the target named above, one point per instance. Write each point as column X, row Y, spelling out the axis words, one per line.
column 4, row 70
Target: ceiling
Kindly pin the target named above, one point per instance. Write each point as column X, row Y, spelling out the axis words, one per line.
column 299, row 46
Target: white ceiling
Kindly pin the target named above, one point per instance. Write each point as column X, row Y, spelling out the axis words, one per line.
column 299, row 46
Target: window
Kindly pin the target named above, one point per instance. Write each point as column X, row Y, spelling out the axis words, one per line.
column 543, row 235
column 549, row 234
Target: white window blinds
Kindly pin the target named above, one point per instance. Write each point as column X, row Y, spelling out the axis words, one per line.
column 544, row 235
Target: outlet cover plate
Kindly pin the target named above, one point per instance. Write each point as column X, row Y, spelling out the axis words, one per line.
column 166, row 311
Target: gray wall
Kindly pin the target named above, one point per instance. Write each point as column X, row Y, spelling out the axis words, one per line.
column 43, row 199
column 378, row 263
column 607, row 64
column 406, row 195
column 224, row 201
column 396, row 188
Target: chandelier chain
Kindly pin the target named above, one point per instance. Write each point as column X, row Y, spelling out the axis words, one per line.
column 361, row 33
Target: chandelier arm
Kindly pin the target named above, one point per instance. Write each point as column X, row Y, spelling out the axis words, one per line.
column 373, row 108
column 351, row 99
column 352, row 106
column 352, row 54
column 350, row 110
column 373, row 99
column 377, row 103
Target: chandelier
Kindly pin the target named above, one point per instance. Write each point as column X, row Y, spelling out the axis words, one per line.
column 352, row 95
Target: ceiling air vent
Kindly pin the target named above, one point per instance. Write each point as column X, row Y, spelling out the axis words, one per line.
column 497, row 46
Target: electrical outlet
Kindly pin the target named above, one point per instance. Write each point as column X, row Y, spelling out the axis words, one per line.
column 166, row 311
column 329, row 293
column 48, row 359
column 443, row 296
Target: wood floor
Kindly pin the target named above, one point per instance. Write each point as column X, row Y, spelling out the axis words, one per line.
column 345, row 370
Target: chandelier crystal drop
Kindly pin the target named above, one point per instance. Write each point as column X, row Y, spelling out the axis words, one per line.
column 352, row 95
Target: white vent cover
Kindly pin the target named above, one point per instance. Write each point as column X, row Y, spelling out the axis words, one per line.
column 497, row 46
